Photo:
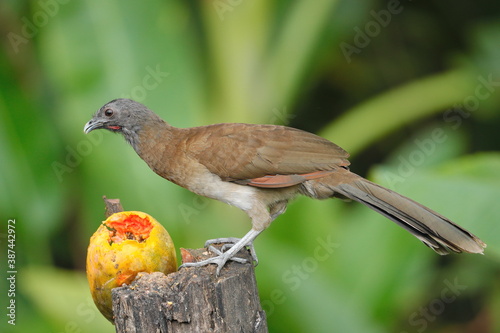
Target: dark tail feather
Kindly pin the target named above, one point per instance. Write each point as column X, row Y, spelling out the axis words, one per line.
column 433, row 229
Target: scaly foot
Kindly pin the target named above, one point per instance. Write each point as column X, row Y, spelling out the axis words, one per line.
column 229, row 242
column 229, row 249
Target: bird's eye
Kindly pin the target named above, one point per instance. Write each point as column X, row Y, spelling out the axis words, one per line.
column 108, row 112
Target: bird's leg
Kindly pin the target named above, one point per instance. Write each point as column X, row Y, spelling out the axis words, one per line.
column 222, row 257
column 216, row 251
column 228, row 243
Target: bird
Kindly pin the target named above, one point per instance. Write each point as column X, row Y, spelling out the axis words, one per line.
column 260, row 169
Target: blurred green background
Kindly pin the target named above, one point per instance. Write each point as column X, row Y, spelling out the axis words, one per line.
column 410, row 89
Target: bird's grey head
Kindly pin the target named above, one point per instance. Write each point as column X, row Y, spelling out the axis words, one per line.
column 122, row 116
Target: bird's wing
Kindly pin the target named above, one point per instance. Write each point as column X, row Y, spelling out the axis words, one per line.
column 260, row 155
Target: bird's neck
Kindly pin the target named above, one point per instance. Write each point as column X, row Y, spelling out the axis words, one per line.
column 153, row 142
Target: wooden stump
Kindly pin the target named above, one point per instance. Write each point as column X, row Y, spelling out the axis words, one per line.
column 192, row 300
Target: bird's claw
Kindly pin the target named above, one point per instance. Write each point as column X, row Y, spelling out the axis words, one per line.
column 219, row 260
column 224, row 240
column 225, row 253
column 220, row 252
column 228, row 242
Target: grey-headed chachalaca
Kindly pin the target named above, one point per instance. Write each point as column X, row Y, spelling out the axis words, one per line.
column 259, row 168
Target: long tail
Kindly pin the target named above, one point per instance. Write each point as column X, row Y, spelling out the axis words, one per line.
column 433, row 229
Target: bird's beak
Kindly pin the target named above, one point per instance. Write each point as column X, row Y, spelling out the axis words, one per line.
column 92, row 125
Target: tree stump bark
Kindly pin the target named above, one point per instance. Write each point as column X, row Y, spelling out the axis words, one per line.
column 192, row 300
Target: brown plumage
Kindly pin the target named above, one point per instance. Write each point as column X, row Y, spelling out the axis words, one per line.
column 259, row 168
